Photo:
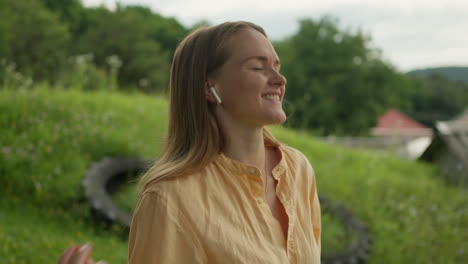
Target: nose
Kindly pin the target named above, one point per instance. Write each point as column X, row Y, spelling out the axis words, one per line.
column 277, row 79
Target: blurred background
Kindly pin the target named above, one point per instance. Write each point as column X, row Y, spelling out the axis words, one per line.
column 377, row 99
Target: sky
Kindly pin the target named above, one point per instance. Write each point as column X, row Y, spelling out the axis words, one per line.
column 411, row 34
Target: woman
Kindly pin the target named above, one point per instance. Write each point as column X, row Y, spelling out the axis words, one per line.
column 224, row 189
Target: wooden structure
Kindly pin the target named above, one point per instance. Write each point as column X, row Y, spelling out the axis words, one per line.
column 450, row 149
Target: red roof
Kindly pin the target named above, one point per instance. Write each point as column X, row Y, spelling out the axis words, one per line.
column 394, row 119
column 394, row 123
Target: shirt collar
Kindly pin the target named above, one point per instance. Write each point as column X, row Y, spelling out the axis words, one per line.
column 240, row 168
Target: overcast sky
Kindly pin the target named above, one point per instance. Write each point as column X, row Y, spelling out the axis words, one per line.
column 411, row 33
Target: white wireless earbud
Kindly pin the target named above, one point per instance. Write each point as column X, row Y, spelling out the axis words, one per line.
column 215, row 94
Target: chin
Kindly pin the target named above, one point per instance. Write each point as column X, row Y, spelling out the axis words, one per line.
column 281, row 120
column 277, row 119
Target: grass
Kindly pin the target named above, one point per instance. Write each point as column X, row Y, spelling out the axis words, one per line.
column 49, row 137
column 413, row 215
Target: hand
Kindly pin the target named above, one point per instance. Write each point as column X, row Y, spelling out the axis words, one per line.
column 78, row 255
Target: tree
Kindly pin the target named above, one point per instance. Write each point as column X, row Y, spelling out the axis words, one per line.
column 33, row 38
column 126, row 33
column 167, row 31
column 337, row 83
column 70, row 12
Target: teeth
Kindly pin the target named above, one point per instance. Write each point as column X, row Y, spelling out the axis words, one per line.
column 271, row 97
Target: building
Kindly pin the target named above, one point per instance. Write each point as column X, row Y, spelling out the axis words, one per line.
column 398, row 125
column 449, row 148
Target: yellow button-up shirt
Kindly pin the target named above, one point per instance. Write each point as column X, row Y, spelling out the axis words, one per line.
column 219, row 215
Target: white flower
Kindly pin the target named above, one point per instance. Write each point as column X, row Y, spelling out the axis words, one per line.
column 114, row 61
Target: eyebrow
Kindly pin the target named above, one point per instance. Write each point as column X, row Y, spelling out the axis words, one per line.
column 262, row 58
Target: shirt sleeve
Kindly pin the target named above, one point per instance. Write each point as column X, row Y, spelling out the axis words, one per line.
column 159, row 234
column 316, row 214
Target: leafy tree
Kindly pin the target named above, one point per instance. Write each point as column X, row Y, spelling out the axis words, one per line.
column 70, row 12
column 125, row 33
column 337, row 83
column 167, row 31
column 33, row 38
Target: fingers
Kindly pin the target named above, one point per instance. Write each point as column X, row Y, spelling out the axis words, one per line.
column 78, row 255
column 65, row 257
column 90, row 261
column 81, row 256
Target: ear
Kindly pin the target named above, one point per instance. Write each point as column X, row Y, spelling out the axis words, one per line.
column 208, row 95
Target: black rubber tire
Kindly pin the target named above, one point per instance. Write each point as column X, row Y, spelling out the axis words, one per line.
column 103, row 178
column 359, row 250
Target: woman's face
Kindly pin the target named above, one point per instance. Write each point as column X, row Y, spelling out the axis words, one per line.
column 249, row 83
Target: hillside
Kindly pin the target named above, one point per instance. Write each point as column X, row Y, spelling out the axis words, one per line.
column 451, row 73
column 49, row 137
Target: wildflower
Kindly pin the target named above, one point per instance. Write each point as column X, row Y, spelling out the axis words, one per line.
column 114, row 61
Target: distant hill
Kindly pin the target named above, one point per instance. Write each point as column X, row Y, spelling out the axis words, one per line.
column 451, row 73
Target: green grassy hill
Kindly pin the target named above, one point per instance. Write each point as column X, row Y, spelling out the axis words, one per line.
column 49, row 138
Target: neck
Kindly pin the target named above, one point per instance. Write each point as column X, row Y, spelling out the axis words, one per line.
column 244, row 143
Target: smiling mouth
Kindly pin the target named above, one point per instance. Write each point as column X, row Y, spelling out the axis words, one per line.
column 273, row 97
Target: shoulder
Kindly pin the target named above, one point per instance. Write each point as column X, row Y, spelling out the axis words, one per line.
column 298, row 165
column 172, row 185
column 178, row 192
column 294, row 156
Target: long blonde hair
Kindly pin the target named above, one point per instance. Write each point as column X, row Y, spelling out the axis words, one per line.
column 194, row 137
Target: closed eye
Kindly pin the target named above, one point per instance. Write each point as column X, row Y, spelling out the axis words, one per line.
column 258, row 69
column 264, row 60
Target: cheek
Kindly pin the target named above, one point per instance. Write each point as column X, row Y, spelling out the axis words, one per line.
column 246, row 88
column 254, row 84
